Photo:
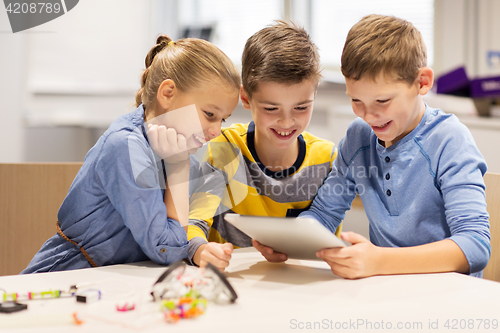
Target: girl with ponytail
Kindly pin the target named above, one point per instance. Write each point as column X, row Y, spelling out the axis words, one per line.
column 129, row 201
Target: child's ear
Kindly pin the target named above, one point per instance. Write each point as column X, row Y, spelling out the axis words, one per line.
column 165, row 93
column 425, row 80
column 245, row 100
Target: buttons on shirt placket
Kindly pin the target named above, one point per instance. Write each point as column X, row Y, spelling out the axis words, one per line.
column 387, row 180
column 388, row 176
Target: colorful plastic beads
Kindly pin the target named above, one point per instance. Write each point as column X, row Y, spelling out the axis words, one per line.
column 183, row 308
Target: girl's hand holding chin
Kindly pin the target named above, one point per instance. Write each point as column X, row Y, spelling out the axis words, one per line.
column 168, row 144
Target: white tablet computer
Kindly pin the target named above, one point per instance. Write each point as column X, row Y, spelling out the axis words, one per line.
column 298, row 238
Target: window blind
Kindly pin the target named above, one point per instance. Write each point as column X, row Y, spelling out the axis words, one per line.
column 332, row 19
column 234, row 21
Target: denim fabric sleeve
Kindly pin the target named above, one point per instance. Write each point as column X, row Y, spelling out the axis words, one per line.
column 336, row 194
column 127, row 171
column 459, row 176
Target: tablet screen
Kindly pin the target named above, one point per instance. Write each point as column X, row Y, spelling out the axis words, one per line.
column 298, row 238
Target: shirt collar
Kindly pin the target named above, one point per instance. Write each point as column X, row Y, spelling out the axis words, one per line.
column 275, row 174
column 409, row 136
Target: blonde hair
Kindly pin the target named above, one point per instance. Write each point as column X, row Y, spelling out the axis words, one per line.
column 189, row 62
column 383, row 44
column 282, row 53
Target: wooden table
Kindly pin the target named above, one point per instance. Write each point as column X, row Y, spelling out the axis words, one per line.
column 287, row 297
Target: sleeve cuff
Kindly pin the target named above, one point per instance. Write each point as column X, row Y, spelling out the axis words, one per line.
column 194, row 244
column 173, row 246
column 476, row 250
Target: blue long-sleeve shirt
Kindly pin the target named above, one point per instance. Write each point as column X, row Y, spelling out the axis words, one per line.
column 426, row 187
column 115, row 208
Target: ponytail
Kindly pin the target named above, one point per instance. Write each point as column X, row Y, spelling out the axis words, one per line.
column 161, row 42
column 188, row 62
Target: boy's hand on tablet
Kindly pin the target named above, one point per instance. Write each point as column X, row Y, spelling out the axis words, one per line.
column 215, row 253
column 352, row 262
column 167, row 144
column 269, row 253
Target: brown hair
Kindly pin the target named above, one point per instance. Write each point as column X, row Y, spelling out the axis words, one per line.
column 189, row 62
column 282, row 53
column 383, row 44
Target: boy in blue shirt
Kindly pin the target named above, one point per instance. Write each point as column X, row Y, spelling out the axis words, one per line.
column 416, row 169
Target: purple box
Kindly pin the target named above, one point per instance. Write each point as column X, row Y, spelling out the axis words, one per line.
column 485, row 87
column 454, row 83
column 483, row 91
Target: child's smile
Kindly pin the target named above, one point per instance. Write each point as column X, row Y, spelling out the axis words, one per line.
column 381, row 128
column 284, row 134
column 392, row 108
column 281, row 112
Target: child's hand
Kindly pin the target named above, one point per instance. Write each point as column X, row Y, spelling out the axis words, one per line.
column 167, row 144
column 215, row 253
column 269, row 253
column 356, row 261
